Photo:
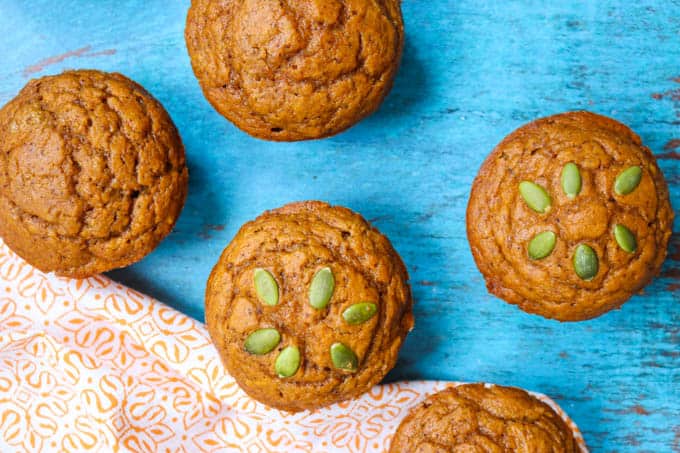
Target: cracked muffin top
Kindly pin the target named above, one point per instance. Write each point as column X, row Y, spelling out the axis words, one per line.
column 569, row 216
column 308, row 306
column 92, row 173
column 483, row 418
column 300, row 70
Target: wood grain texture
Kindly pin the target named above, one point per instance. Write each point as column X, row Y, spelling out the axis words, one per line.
column 472, row 72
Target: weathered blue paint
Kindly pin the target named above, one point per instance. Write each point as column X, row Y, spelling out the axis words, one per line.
column 472, row 72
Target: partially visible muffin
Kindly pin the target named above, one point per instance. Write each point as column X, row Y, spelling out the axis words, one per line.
column 569, row 216
column 483, row 418
column 308, row 306
column 92, row 173
column 298, row 70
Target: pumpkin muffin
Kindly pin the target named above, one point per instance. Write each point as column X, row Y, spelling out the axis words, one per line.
column 92, row 173
column 482, row 417
column 300, row 70
column 308, row 306
column 569, row 216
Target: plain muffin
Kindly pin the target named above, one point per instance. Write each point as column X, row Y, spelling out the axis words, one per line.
column 92, row 173
column 483, row 418
column 298, row 70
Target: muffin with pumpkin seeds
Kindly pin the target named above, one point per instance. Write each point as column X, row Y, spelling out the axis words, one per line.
column 308, row 306
column 488, row 418
column 569, row 216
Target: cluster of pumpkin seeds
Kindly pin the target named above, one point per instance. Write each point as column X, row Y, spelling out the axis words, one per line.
column 264, row 341
column 585, row 261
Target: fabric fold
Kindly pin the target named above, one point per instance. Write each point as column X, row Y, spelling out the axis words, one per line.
column 90, row 365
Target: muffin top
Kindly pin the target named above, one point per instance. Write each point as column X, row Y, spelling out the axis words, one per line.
column 308, row 306
column 569, row 216
column 295, row 70
column 482, row 417
column 92, row 173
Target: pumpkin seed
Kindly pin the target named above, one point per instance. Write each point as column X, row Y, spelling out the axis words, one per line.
column 288, row 362
column 542, row 245
column 321, row 288
column 360, row 313
column 571, row 180
column 586, row 263
column 266, row 287
column 262, row 341
column 628, row 180
column 625, row 238
column 535, row 196
column 343, row 357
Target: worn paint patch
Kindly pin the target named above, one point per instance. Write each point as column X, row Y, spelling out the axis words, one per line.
column 673, row 95
column 672, row 144
column 638, row 409
column 78, row 53
column 671, row 273
column 670, row 149
column 670, row 94
column 632, row 440
column 380, row 219
column 671, row 155
column 674, row 247
column 208, row 228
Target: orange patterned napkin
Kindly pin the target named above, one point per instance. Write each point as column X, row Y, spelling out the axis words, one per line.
column 90, row 365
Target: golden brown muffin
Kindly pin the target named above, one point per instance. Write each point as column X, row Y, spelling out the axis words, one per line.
column 92, row 173
column 298, row 70
column 569, row 216
column 483, row 418
column 308, row 306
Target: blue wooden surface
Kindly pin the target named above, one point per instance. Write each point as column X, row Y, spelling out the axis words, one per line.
column 472, row 72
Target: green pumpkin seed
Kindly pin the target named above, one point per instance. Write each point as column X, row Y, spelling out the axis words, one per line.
column 359, row 313
column 586, row 263
column 628, row 180
column 535, row 196
column 625, row 238
column 266, row 287
column 321, row 288
column 571, row 180
column 542, row 245
column 288, row 362
column 262, row 341
column 344, row 358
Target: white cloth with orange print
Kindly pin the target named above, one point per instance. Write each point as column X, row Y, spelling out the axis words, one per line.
column 90, row 365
